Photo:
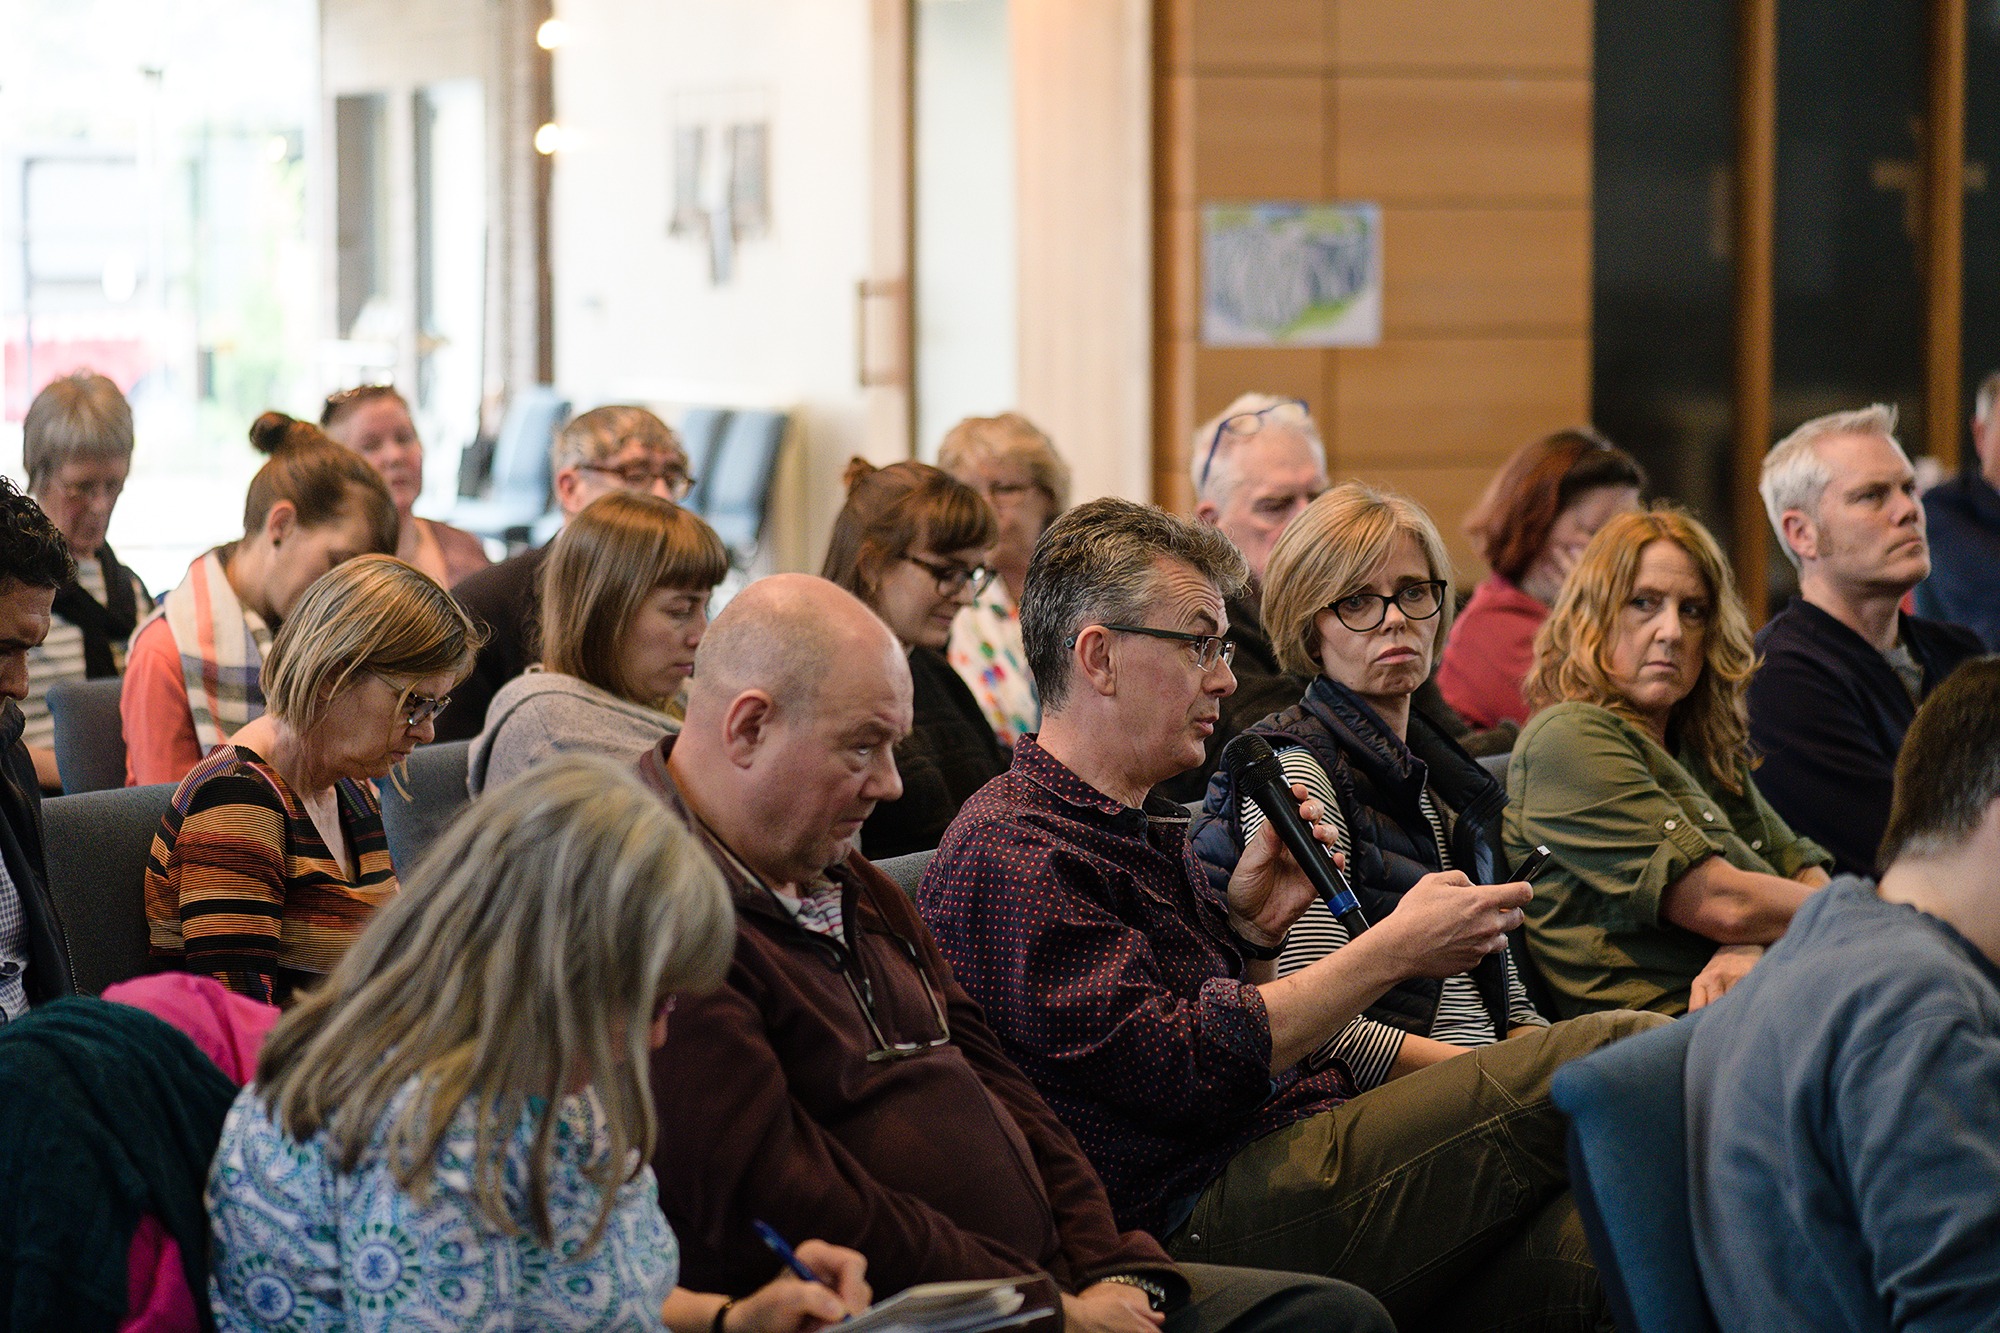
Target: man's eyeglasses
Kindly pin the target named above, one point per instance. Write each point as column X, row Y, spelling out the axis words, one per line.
column 1365, row 611
column 954, row 579
column 1208, row 648
column 1242, row 425
column 639, row 477
column 864, row 996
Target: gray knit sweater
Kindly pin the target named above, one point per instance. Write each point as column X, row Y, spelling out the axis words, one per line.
column 541, row 712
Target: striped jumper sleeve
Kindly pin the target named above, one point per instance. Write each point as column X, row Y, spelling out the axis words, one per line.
column 223, row 869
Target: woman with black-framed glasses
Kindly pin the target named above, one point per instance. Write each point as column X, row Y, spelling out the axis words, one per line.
column 912, row 543
column 1358, row 596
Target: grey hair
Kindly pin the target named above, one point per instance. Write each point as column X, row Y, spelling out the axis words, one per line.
column 603, row 432
column 529, row 952
column 1982, row 402
column 1095, row 565
column 79, row 416
column 1795, row 476
column 1222, row 476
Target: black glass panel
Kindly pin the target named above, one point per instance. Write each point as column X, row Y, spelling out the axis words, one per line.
column 1982, row 205
column 1662, row 290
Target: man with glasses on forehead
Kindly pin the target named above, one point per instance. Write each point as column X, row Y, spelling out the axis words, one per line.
column 1146, row 1004
column 1255, row 467
column 840, row 1084
column 605, row 449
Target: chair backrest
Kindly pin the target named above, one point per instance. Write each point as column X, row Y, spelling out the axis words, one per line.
column 738, row 493
column 97, row 845
column 1628, row 1172
column 907, row 871
column 1496, row 766
column 521, row 454
column 436, row 783
column 90, row 735
column 701, row 431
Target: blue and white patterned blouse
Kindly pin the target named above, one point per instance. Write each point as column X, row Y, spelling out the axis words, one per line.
column 300, row 1247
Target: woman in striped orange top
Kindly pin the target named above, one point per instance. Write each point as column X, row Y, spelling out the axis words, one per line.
column 273, row 856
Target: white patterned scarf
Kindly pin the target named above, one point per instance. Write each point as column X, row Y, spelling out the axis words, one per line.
column 222, row 645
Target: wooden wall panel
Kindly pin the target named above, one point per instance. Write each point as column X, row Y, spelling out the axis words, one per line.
column 1256, row 138
column 1259, row 35
column 1456, row 271
column 1499, row 36
column 1469, row 122
column 1462, row 140
column 1434, row 402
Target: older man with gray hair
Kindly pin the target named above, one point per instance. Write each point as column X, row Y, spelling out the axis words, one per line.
column 1844, row 666
column 1147, row 1008
column 1256, row 465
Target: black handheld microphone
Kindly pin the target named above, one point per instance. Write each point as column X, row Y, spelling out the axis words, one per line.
column 1255, row 770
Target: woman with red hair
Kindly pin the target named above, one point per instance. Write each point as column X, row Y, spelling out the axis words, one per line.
column 1536, row 517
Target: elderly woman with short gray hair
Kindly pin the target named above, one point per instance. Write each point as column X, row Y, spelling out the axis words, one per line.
column 76, row 445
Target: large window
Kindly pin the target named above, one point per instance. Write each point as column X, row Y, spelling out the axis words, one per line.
column 154, row 165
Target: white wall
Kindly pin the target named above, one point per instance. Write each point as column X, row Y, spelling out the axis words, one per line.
column 636, row 317
column 966, row 238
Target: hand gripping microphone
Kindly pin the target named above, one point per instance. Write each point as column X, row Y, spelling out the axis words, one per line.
column 1258, row 775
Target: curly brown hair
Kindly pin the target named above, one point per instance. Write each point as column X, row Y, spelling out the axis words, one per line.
column 1573, row 648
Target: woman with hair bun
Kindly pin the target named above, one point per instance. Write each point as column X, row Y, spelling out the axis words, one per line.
column 273, row 856
column 1531, row 526
column 911, row 542
column 374, row 421
column 191, row 679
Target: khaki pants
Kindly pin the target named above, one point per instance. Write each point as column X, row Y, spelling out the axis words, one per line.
column 1445, row 1192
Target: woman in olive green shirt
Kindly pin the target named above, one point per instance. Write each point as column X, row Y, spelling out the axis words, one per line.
column 1671, row 871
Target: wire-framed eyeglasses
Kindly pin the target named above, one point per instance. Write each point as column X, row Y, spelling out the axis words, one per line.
column 954, row 579
column 1208, row 648
column 863, row 992
column 1365, row 611
column 417, row 709
column 1245, row 424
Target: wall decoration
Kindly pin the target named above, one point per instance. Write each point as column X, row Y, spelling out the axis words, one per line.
column 1291, row 275
column 721, row 173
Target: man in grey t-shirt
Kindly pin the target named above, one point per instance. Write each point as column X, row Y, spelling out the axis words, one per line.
column 34, row 562
column 1843, row 1126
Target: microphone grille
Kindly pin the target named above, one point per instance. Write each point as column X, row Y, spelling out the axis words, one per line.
column 1246, row 752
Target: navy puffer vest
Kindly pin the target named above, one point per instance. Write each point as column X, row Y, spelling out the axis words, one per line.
column 1377, row 780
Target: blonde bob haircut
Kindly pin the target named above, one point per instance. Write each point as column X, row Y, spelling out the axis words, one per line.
column 369, row 614
column 1007, row 438
column 524, row 962
column 1573, row 648
column 1333, row 550
column 601, row 568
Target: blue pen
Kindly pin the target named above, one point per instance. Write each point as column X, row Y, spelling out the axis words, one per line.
column 785, row 1252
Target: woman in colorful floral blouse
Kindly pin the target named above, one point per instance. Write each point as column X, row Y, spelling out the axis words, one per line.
column 453, row 1132
column 1010, row 462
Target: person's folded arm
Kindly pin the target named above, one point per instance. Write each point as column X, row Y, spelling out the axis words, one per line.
column 736, row 1145
column 1718, row 901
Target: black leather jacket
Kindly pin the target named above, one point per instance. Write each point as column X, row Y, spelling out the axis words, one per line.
column 49, row 972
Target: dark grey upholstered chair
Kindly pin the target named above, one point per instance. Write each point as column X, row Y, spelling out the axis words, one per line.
column 90, row 736
column 736, row 493
column 436, row 783
column 96, row 845
column 907, row 871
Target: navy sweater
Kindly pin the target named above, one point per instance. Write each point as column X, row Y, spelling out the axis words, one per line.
column 1827, row 716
